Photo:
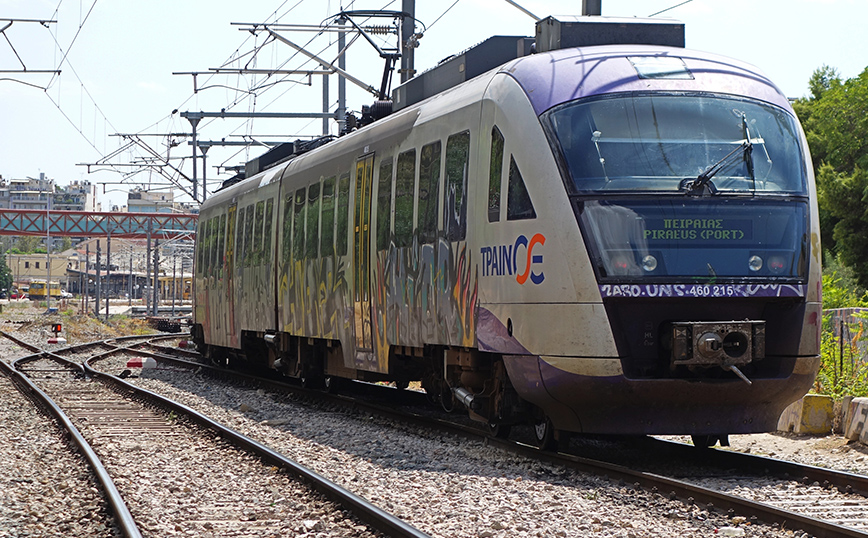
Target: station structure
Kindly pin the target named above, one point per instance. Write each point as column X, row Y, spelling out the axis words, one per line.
column 159, row 232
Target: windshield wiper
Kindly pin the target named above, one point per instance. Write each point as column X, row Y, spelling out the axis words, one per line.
column 702, row 182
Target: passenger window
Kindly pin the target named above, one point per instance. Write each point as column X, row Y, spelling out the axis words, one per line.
column 327, row 238
column 298, row 226
column 384, row 204
column 312, row 222
column 455, row 202
column 200, row 240
column 206, row 248
column 429, row 191
column 257, row 233
column 239, row 238
column 518, row 204
column 212, row 242
column 248, row 237
column 404, row 186
column 221, row 246
column 343, row 214
column 287, row 229
column 494, row 175
column 231, row 253
column 266, row 242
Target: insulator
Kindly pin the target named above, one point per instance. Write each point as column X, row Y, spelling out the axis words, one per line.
column 380, row 30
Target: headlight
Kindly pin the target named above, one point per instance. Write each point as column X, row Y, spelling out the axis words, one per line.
column 649, row 263
column 755, row 263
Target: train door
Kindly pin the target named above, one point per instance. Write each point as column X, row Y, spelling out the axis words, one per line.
column 362, row 253
column 230, row 272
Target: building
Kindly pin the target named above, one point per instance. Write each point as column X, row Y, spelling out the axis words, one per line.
column 77, row 196
column 29, row 193
column 35, row 195
column 125, row 273
column 28, row 267
column 142, row 201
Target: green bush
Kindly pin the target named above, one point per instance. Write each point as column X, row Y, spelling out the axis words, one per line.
column 842, row 370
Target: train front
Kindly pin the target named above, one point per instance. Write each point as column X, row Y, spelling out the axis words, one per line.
column 691, row 183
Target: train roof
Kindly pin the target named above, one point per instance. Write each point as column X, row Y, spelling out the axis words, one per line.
column 559, row 76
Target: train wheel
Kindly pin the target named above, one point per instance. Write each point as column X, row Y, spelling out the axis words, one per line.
column 501, row 431
column 544, row 432
column 331, row 384
column 312, row 381
column 703, row 442
column 447, row 399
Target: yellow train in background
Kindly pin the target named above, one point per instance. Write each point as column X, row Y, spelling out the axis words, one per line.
column 39, row 291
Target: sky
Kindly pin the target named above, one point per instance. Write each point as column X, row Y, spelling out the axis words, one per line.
column 117, row 60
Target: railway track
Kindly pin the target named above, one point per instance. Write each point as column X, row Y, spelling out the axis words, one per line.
column 168, row 470
column 748, row 488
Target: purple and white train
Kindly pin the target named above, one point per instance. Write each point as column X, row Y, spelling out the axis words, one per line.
column 617, row 239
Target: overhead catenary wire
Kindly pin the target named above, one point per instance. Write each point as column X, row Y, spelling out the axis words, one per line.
column 669, row 8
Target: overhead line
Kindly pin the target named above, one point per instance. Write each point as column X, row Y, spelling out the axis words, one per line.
column 669, row 8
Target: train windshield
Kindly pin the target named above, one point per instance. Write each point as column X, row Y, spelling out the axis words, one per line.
column 697, row 239
column 694, row 144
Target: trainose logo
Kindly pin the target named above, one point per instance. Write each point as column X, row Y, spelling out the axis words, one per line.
column 503, row 260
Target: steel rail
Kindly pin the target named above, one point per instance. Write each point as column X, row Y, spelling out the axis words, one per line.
column 365, row 511
column 685, row 491
column 844, row 481
column 116, row 502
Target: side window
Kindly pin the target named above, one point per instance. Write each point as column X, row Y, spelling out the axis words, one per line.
column 287, row 228
column 212, row 242
column 404, row 186
column 518, row 204
column 249, row 248
column 266, row 241
column 327, row 238
column 494, row 174
column 257, row 233
column 298, row 226
column 206, row 247
column 343, row 213
column 429, row 191
column 384, row 203
column 455, row 201
column 221, row 246
column 231, row 253
column 239, row 238
column 312, row 222
column 200, row 245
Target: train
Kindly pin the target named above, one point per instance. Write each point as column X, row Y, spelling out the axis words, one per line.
column 37, row 290
column 614, row 239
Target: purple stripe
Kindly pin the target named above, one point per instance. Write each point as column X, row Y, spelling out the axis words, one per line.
column 705, row 291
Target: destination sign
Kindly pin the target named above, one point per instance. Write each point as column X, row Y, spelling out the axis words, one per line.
column 698, row 229
column 702, row 290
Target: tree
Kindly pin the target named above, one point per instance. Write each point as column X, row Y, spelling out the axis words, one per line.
column 5, row 274
column 27, row 244
column 835, row 119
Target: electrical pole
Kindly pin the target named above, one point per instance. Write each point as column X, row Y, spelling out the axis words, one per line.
column 145, row 293
column 48, row 256
column 194, row 121
column 408, row 40
column 98, row 288
column 108, row 272
column 592, row 7
column 156, row 298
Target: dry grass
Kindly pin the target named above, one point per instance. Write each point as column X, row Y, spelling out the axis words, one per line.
column 26, row 317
